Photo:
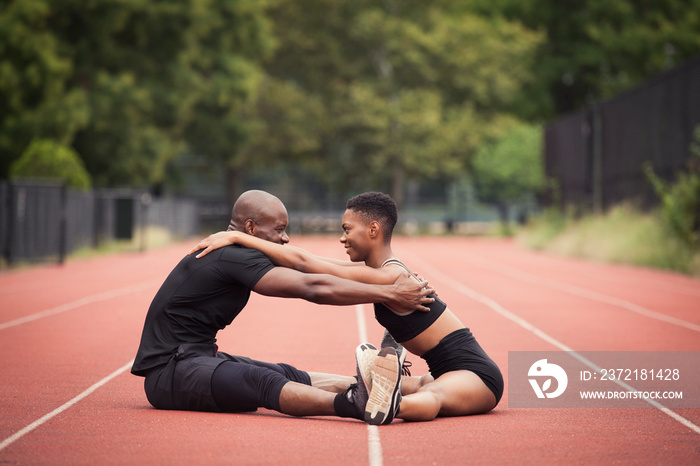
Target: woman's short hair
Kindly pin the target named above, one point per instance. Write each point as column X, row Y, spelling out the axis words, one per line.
column 376, row 206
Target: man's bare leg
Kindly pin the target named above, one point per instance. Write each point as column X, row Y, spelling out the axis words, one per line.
column 330, row 382
column 301, row 400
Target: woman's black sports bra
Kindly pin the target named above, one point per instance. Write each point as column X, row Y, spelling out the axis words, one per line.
column 403, row 327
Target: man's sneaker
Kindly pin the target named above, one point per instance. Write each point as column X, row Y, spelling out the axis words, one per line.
column 351, row 402
column 365, row 355
column 390, row 342
column 385, row 394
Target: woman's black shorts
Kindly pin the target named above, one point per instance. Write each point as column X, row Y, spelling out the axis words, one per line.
column 460, row 351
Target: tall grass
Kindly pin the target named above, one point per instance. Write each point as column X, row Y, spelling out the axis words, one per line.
column 152, row 237
column 623, row 235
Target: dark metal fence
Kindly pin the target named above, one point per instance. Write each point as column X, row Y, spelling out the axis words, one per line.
column 596, row 155
column 33, row 221
column 45, row 221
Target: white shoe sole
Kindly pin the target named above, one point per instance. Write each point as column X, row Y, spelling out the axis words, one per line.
column 365, row 354
column 386, row 387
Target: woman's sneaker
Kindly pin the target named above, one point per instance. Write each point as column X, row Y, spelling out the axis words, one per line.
column 389, row 341
column 365, row 354
column 385, row 393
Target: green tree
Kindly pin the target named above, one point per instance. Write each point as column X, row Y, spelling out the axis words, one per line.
column 408, row 90
column 35, row 100
column 45, row 158
column 510, row 169
column 222, row 62
column 165, row 77
column 597, row 48
column 130, row 83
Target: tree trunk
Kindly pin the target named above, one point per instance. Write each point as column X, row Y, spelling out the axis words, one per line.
column 503, row 215
column 396, row 186
column 234, row 183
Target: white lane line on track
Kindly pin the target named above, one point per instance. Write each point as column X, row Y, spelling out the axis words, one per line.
column 585, row 270
column 663, row 287
column 81, row 302
column 374, row 444
column 588, row 294
column 432, row 271
column 21, row 433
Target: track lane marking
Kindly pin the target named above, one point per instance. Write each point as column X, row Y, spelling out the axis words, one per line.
column 374, row 444
column 582, row 292
column 80, row 303
column 585, row 269
column 21, row 433
column 528, row 326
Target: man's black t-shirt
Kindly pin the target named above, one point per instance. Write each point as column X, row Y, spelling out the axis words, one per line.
column 199, row 298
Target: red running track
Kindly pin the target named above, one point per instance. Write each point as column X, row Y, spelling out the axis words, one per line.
column 68, row 334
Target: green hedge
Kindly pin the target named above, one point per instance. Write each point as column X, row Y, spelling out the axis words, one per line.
column 45, row 158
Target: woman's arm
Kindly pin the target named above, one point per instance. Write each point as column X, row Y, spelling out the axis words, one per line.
column 296, row 258
column 404, row 295
column 291, row 257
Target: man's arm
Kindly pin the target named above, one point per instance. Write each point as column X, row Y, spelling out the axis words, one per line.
column 404, row 295
column 297, row 258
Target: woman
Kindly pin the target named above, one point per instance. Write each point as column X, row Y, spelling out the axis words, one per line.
column 463, row 379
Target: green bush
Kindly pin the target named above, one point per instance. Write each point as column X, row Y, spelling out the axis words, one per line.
column 45, row 158
column 680, row 200
column 542, row 229
column 667, row 238
column 622, row 235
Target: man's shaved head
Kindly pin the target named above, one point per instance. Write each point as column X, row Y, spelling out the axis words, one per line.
column 254, row 205
column 259, row 213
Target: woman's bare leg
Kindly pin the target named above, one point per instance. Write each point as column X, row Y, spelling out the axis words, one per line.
column 457, row 393
column 410, row 385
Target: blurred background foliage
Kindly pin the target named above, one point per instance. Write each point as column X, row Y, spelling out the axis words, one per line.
column 355, row 94
column 48, row 159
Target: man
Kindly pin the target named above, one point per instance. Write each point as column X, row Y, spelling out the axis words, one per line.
column 178, row 356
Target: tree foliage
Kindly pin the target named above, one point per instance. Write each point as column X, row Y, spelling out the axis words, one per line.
column 408, row 90
column 130, row 83
column 35, row 100
column 45, row 158
column 597, row 48
column 510, row 169
column 363, row 94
